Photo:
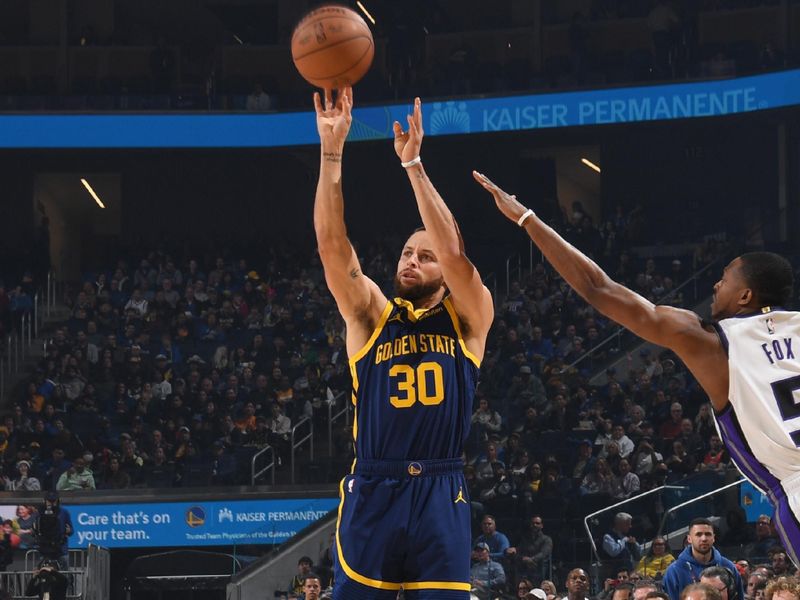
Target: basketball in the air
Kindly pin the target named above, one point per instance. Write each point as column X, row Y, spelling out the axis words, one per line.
column 332, row 47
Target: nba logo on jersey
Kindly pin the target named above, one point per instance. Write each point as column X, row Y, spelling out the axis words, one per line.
column 770, row 326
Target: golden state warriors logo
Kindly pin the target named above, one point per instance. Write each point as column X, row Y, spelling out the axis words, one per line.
column 414, row 469
column 195, row 517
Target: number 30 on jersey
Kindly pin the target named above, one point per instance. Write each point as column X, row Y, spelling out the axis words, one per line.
column 424, row 383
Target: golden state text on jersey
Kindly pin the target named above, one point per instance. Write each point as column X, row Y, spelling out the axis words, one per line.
column 413, row 385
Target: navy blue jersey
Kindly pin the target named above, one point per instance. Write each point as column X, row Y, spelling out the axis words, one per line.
column 413, row 385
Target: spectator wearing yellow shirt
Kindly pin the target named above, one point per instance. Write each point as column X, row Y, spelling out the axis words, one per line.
column 654, row 564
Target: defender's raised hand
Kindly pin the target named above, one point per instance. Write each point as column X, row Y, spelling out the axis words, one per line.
column 407, row 144
column 333, row 120
column 507, row 203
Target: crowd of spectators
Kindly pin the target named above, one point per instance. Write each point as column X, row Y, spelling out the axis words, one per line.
column 167, row 375
column 698, row 570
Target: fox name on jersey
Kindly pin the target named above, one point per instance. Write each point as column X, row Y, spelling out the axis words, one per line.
column 778, row 350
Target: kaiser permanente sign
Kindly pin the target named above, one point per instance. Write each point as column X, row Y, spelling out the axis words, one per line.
column 214, row 523
column 458, row 117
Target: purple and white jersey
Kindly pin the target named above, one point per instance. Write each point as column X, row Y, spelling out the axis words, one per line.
column 761, row 425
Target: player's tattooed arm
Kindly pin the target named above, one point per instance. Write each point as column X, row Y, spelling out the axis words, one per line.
column 358, row 298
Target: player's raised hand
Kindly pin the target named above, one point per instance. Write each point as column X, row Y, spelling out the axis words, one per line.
column 507, row 203
column 333, row 119
column 407, row 143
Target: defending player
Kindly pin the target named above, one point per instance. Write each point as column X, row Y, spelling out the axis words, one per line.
column 744, row 358
column 404, row 511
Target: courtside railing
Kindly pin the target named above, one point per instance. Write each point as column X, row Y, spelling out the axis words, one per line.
column 593, row 545
column 670, row 511
column 344, row 412
column 296, row 443
column 255, row 472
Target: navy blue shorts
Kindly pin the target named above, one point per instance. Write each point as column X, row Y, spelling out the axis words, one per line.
column 403, row 525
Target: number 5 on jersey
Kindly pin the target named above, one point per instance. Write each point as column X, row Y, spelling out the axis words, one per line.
column 784, row 394
column 425, row 383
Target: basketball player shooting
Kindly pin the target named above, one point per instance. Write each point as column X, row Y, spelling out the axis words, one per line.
column 404, row 516
column 744, row 357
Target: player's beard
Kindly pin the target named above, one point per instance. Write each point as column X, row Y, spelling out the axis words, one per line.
column 418, row 291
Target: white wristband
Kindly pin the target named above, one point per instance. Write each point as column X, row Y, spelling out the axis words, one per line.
column 411, row 163
column 525, row 215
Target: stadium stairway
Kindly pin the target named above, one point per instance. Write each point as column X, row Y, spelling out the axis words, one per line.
column 272, row 572
column 18, row 365
column 631, row 359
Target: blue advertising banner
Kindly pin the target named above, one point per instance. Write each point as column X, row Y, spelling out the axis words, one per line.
column 754, row 502
column 217, row 523
column 458, row 117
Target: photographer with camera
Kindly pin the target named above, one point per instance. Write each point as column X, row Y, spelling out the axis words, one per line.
column 48, row 582
column 51, row 530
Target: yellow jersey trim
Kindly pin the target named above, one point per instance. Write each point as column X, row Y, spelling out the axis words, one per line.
column 448, row 304
column 355, row 426
column 378, row 328
column 374, row 583
column 386, row 585
column 437, row 585
column 354, row 376
column 366, row 348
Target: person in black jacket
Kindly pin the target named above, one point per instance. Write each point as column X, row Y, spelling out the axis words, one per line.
column 534, row 552
column 48, row 580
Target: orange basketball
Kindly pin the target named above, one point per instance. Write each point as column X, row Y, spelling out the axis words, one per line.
column 332, row 47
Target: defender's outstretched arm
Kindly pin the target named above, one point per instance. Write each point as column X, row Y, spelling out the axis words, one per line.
column 680, row 330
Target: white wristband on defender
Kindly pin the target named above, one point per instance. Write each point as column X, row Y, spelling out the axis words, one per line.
column 411, row 163
column 525, row 215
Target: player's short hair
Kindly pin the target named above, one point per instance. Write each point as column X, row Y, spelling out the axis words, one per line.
column 458, row 234
column 769, row 275
column 312, row 576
